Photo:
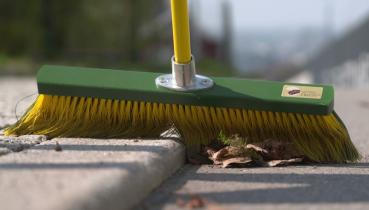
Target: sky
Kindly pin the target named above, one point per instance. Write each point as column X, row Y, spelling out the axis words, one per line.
column 286, row 14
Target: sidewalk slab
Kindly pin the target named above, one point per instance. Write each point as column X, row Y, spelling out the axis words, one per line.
column 86, row 173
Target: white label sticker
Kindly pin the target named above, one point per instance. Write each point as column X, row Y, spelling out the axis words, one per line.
column 298, row 91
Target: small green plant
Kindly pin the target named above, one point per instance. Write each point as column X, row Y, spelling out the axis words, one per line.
column 234, row 140
column 238, row 146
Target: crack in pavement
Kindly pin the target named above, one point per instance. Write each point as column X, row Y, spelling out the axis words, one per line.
column 18, row 144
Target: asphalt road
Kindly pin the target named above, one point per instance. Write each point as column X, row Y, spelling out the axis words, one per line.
column 293, row 187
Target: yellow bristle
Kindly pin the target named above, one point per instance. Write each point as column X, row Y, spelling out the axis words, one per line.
column 320, row 138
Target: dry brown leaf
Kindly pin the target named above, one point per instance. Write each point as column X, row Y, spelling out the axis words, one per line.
column 209, row 151
column 195, row 202
column 221, row 154
column 237, row 162
column 272, row 149
column 276, row 163
column 256, row 148
column 227, row 153
column 270, row 152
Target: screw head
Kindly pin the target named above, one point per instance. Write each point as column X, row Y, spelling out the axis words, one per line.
column 205, row 81
column 163, row 80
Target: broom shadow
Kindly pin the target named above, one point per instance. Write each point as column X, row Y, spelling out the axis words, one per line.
column 266, row 188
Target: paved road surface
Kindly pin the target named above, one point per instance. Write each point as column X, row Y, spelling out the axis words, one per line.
column 298, row 187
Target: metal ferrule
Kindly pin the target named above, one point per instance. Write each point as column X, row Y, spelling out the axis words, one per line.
column 184, row 75
column 184, row 78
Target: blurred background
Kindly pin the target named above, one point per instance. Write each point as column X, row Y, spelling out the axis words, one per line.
column 324, row 41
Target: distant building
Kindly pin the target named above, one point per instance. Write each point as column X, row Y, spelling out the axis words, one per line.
column 208, row 45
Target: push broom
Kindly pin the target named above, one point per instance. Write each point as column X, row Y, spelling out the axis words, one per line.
column 103, row 103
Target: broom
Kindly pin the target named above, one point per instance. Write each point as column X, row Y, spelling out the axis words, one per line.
column 103, row 103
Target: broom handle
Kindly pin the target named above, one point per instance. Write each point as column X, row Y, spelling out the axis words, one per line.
column 181, row 31
column 184, row 77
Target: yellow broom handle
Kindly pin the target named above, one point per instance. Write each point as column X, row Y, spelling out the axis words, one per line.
column 181, row 31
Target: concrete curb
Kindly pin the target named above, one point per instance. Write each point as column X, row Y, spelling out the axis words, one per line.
column 87, row 173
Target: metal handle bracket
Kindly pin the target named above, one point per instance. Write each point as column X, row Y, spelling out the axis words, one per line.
column 184, row 78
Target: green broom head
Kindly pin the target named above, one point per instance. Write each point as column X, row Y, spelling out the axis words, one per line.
column 102, row 103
